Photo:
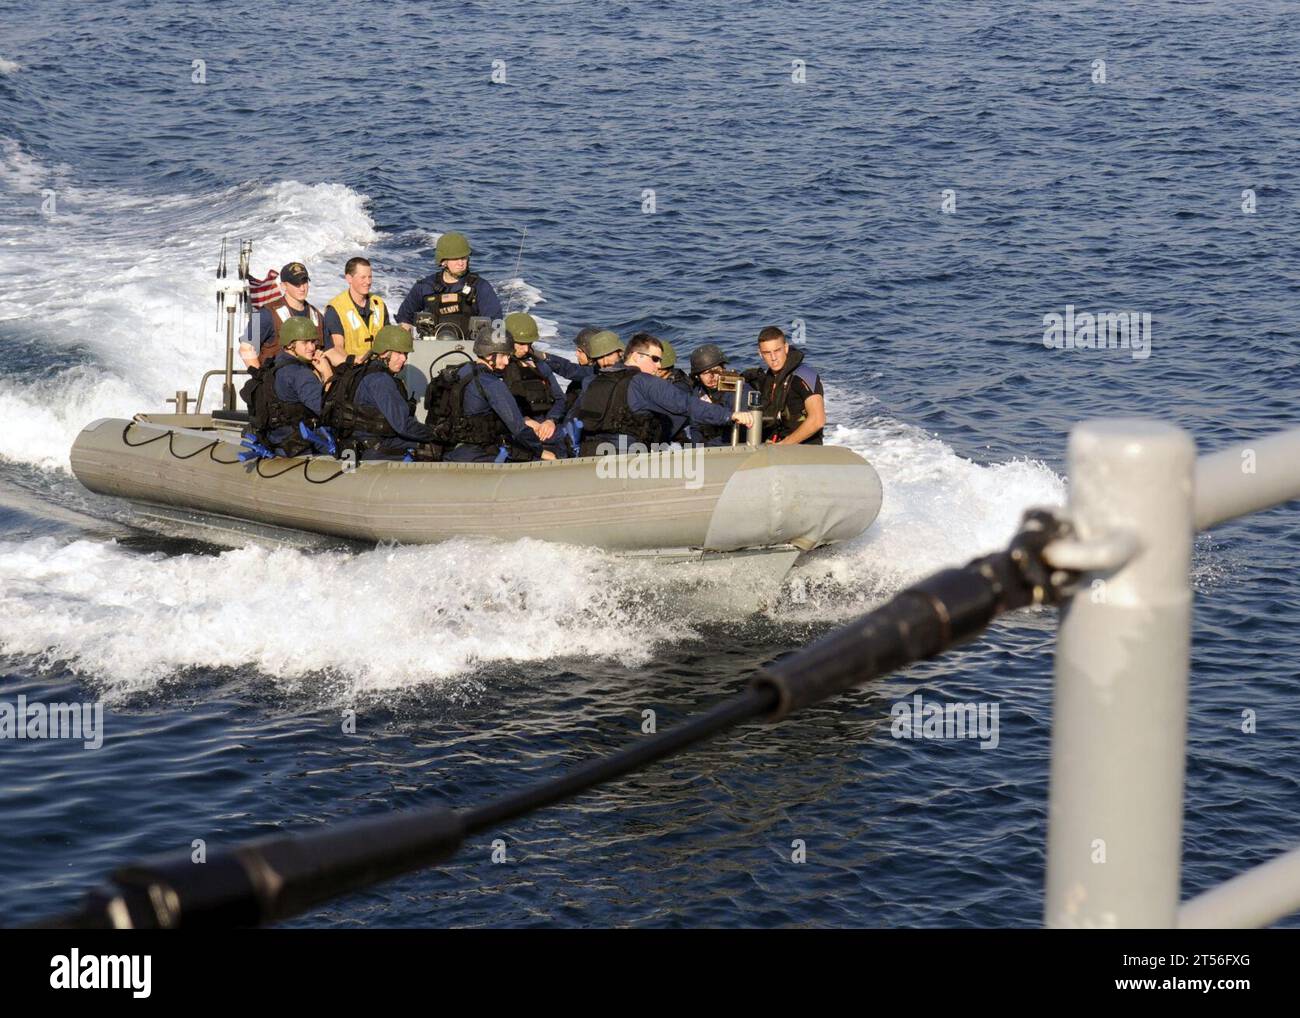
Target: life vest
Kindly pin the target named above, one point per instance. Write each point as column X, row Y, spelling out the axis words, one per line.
column 358, row 332
column 783, row 401
column 453, row 303
column 713, row 434
column 444, row 402
column 341, row 412
column 280, row 313
column 604, row 412
column 529, row 387
column 267, row 411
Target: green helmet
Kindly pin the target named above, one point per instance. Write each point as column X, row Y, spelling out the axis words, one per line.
column 392, row 337
column 603, row 343
column 295, row 330
column 521, row 328
column 452, row 245
column 669, row 355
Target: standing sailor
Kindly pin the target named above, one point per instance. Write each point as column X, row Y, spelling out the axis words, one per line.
column 261, row 349
column 453, row 294
column 794, row 406
column 629, row 401
column 353, row 318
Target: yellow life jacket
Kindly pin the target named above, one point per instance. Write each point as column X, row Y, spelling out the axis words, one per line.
column 357, row 333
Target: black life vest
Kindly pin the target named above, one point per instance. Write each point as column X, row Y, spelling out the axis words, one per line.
column 341, row 412
column 444, row 402
column 604, row 412
column 710, row 434
column 783, row 401
column 529, row 387
column 267, row 411
column 453, row 303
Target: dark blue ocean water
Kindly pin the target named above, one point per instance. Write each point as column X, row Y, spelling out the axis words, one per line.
column 329, row 130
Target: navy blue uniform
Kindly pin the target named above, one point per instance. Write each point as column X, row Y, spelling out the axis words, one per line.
column 295, row 382
column 489, row 305
column 263, row 322
column 379, row 391
column 653, row 395
column 567, row 369
column 499, row 401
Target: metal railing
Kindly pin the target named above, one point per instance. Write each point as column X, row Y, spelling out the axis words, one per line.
column 1138, row 494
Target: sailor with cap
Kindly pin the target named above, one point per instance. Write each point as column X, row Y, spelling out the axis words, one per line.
column 267, row 322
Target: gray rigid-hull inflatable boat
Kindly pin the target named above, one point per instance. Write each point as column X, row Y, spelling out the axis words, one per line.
column 764, row 502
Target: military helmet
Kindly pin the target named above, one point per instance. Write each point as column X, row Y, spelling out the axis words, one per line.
column 392, row 337
column 452, row 245
column 295, row 330
column 489, row 341
column 706, row 357
column 584, row 337
column 521, row 327
column 669, row 357
column 603, row 343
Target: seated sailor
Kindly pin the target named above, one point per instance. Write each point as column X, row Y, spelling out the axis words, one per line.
column 368, row 403
column 794, row 407
column 452, row 295
column 354, row 317
column 628, row 402
column 261, row 340
column 708, row 363
column 473, row 405
column 288, row 391
column 530, row 379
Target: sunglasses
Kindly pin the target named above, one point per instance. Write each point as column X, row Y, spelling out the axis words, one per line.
column 657, row 360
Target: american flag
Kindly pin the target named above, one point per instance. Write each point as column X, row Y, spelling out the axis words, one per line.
column 262, row 291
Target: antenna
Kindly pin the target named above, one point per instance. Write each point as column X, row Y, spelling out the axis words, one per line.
column 518, row 260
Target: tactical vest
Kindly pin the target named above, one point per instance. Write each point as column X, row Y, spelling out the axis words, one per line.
column 783, row 401
column 604, row 412
column 529, row 387
column 267, row 411
column 711, row 434
column 341, row 412
column 281, row 313
column 358, row 332
column 453, row 303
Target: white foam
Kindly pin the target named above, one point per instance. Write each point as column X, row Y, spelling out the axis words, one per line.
column 378, row 620
column 9, row 67
column 939, row 510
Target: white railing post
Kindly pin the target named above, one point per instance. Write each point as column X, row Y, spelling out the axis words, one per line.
column 1119, row 724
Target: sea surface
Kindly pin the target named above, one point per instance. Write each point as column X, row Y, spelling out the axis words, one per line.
column 917, row 184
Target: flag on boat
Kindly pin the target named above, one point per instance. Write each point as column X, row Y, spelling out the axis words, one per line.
column 262, row 291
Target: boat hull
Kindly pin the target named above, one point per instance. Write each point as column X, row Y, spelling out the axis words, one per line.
column 723, row 499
